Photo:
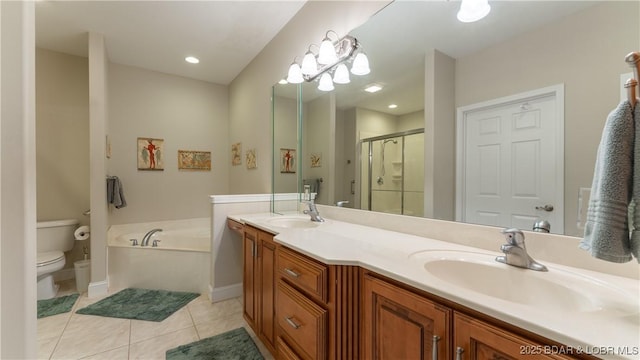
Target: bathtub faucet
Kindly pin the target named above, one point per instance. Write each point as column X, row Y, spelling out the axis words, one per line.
column 147, row 236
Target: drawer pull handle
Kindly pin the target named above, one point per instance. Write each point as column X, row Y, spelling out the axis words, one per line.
column 293, row 324
column 434, row 347
column 291, row 273
column 459, row 352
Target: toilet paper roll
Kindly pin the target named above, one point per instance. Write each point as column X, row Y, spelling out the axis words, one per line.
column 82, row 233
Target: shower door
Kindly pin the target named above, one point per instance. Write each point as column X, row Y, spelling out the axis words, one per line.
column 392, row 171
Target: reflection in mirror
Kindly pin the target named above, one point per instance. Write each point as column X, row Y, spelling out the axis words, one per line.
column 284, row 107
column 430, row 64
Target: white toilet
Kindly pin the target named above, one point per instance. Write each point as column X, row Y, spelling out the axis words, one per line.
column 53, row 239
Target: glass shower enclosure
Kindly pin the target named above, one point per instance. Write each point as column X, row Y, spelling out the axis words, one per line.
column 392, row 173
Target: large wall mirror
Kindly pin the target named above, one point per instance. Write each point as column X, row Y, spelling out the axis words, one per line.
column 359, row 152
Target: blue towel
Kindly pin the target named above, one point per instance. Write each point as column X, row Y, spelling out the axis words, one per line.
column 606, row 234
column 115, row 192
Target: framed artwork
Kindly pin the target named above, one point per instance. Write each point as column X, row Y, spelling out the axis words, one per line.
column 288, row 161
column 236, row 154
column 194, row 160
column 251, row 159
column 316, row 160
column 150, row 154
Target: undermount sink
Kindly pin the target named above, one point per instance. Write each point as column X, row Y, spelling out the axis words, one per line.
column 556, row 290
column 292, row 222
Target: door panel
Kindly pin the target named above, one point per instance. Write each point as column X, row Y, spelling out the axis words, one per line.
column 510, row 163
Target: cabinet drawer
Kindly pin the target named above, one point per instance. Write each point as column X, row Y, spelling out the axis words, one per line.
column 284, row 351
column 306, row 274
column 235, row 226
column 302, row 321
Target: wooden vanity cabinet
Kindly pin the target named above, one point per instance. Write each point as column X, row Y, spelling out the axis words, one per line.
column 259, row 281
column 317, row 308
column 399, row 324
column 478, row 340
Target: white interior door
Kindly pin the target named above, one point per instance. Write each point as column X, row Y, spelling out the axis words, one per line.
column 510, row 161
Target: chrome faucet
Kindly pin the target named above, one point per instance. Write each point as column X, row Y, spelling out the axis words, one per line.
column 313, row 212
column 147, row 236
column 516, row 252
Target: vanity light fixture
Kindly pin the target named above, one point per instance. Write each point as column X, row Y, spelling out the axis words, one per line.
column 192, row 59
column 283, row 82
column 332, row 59
column 326, row 84
column 327, row 53
column 294, row 76
column 373, row 88
column 473, row 10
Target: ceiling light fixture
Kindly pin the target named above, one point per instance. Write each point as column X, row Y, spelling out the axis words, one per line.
column 373, row 88
column 332, row 58
column 192, row 59
column 473, row 10
column 393, row 106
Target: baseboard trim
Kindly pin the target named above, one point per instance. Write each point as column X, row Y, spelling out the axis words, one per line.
column 225, row 292
column 97, row 288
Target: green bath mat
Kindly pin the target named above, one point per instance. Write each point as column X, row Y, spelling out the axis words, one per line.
column 140, row 304
column 56, row 306
column 232, row 345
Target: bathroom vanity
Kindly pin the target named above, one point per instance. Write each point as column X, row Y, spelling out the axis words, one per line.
column 337, row 290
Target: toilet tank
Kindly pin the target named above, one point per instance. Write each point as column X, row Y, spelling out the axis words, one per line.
column 56, row 235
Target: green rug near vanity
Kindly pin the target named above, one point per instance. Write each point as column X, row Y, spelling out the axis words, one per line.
column 140, row 304
column 56, row 306
column 232, row 345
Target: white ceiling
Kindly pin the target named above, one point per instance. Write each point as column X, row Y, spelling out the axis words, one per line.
column 157, row 35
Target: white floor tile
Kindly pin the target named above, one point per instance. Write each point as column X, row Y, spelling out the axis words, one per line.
column 142, row 330
column 155, row 348
column 88, row 335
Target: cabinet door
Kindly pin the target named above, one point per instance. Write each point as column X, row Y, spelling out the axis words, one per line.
column 476, row 340
column 267, row 274
column 399, row 324
column 249, row 248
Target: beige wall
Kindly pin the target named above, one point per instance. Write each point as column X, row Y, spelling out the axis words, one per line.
column 189, row 115
column 286, row 125
column 585, row 52
column 62, row 139
column 249, row 93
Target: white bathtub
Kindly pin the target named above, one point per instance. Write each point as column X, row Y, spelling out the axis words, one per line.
column 180, row 262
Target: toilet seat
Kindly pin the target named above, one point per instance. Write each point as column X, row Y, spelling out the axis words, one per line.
column 49, row 257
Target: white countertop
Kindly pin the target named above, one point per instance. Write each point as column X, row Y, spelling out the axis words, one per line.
column 609, row 330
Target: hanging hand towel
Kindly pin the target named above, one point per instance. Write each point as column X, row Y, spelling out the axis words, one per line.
column 635, row 197
column 606, row 234
column 115, row 192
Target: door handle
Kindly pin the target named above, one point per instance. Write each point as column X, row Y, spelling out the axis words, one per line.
column 545, row 208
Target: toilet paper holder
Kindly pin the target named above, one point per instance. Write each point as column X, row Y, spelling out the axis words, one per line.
column 82, row 233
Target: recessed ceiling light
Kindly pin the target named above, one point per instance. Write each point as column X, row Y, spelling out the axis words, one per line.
column 373, row 88
column 392, row 106
column 192, row 59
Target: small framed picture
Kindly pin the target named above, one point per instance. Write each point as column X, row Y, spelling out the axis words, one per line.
column 287, row 161
column 316, row 160
column 251, row 159
column 150, row 154
column 194, row 160
column 236, row 154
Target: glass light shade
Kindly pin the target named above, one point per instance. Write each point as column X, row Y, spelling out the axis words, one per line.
column 327, row 53
column 295, row 74
column 473, row 10
column 341, row 76
column 360, row 65
column 326, row 84
column 309, row 64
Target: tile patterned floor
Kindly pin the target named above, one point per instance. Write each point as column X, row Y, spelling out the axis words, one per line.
column 75, row 336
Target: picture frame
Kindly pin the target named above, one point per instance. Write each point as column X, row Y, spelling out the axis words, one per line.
column 194, row 160
column 287, row 161
column 251, row 159
column 236, row 154
column 315, row 160
column 150, row 154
